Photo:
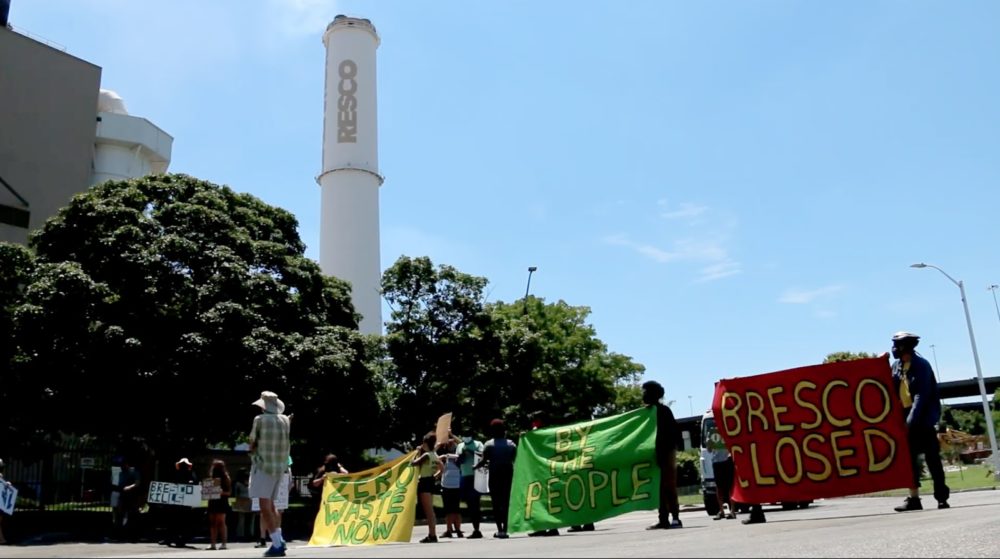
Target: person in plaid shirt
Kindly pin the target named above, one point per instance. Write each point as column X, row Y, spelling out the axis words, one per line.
column 270, row 444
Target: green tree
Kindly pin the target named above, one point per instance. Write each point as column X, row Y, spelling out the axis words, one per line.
column 558, row 364
column 447, row 351
column 839, row 356
column 160, row 308
column 439, row 346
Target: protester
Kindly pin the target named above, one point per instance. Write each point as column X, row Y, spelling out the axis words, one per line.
column 498, row 455
column 180, row 517
column 270, row 445
column 331, row 465
column 430, row 469
column 125, row 497
column 668, row 440
column 918, row 391
column 467, row 451
column 724, row 471
column 219, row 508
column 451, row 480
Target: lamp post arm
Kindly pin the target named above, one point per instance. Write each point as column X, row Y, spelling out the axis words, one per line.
column 953, row 280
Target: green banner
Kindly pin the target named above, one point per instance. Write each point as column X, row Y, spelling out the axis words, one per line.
column 586, row 472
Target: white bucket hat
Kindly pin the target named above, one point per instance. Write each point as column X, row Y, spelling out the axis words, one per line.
column 270, row 403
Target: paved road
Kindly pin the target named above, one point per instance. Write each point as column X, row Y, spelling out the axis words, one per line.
column 851, row 527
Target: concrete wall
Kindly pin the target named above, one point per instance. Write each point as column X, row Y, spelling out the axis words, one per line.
column 48, row 118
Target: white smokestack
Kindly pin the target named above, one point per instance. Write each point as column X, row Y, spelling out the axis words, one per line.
column 349, row 183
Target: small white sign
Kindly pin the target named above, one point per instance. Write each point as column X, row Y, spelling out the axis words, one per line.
column 179, row 494
column 211, row 489
column 87, row 463
column 8, row 497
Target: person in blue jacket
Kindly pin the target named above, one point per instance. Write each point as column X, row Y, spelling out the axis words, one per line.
column 918, row 392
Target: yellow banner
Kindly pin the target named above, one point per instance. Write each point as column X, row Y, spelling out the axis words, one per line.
column 370, row 507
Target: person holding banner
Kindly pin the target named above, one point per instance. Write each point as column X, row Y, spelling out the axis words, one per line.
column 180, row 519
column 668, row 440
column 918, row 391
column 498, row 455
column 270, row 445
column 430, row 469
column 468, row 451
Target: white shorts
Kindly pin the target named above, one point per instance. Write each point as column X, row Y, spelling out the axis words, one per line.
column 264, row 485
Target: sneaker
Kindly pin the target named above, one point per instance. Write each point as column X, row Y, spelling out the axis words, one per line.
column 430, row 539
column 575, row 529
column 211, row 548
column 475, row 535
column 459, row 534
column 223, row 546
column 755, row 519
column 911, row 503
column 588, row 527
column 275, row 551
column 944, row 505
column 676, row 523
column 719, row 516
column 503, row 535
column 658, row 526
column 446, row 534
column 731, row 515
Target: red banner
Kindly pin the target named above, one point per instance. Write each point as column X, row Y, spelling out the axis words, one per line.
column 822, row 431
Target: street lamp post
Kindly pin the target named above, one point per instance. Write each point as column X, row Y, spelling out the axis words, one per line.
column 994, row 288
column 979, row 370
column 937, row 371
column 531, row 270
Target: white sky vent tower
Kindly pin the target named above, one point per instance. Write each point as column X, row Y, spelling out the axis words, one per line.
column 349, row 183
column 126, row 146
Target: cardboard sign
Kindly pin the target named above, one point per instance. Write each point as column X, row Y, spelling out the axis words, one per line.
column 177, row 494
column 281, row 503
column 443, row 428
column 8, row 497
column 211, row 489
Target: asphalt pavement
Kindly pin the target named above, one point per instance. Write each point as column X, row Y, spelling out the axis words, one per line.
column 846, row 527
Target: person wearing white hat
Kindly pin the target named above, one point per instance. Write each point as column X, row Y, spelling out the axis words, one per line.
column 270, row 446
column 918, row 392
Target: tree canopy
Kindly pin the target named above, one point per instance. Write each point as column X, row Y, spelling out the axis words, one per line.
column 451, row 352
column 162, row 306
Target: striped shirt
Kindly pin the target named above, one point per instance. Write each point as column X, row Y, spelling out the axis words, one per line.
column 271, row 433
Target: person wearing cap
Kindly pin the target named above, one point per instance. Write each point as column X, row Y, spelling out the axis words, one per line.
column 668, row 440
column 270, row 447
column 918, row 392
column 180, row 518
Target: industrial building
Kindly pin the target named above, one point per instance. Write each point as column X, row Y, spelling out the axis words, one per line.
column 60, row 133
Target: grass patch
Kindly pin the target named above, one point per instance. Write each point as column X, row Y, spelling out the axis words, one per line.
column 969, row 477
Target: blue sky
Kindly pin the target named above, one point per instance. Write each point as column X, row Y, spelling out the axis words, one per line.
column 733, row 188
